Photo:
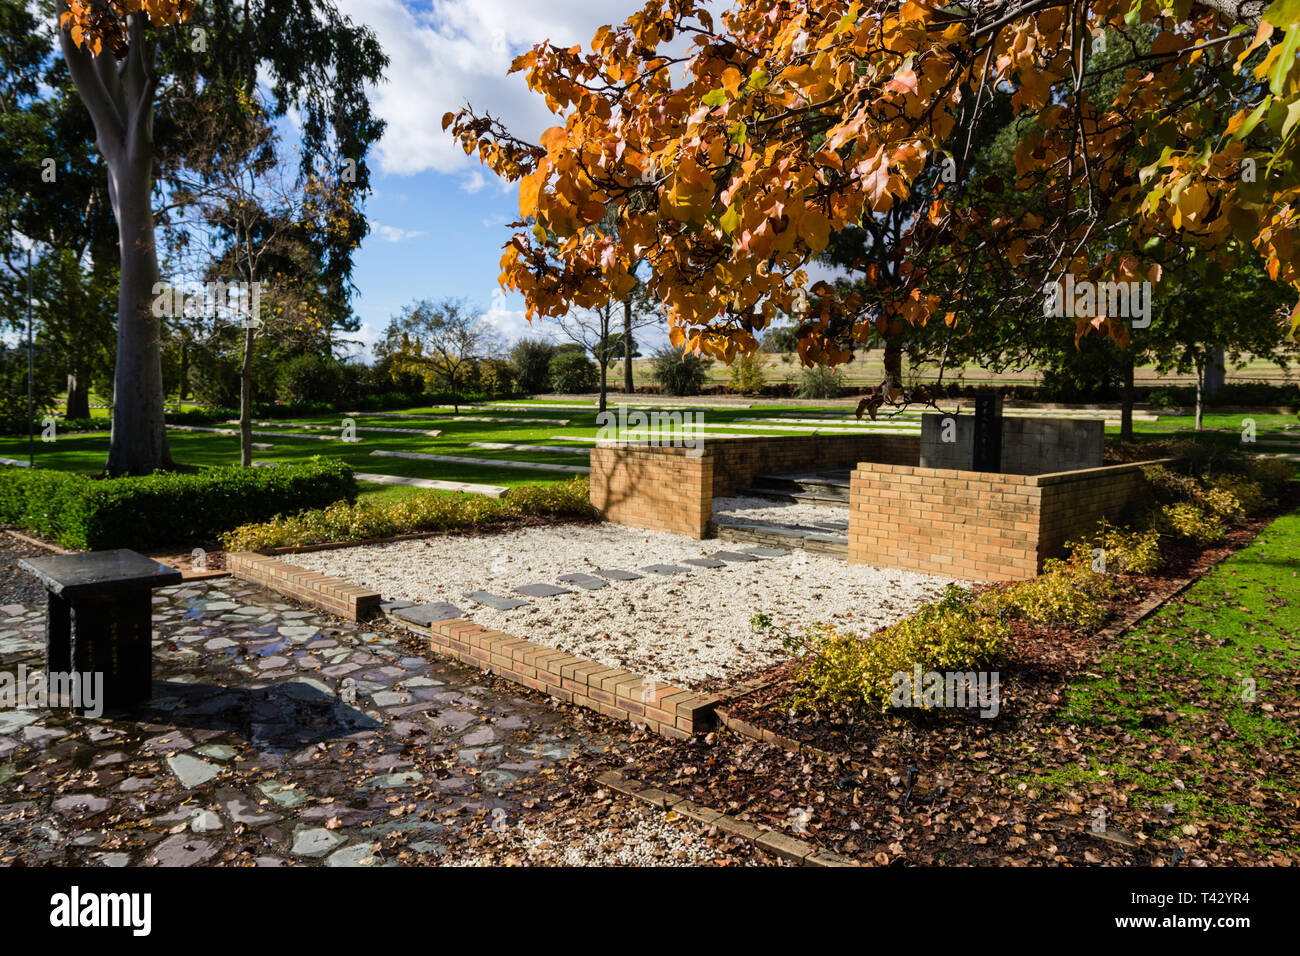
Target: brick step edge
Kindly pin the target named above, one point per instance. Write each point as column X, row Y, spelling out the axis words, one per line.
column 769, row 841
column 619, row 694
column 332, row 594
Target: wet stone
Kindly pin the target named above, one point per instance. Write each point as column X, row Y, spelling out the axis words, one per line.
column 182, row 850
column 356, row 855
column 205, row 821
column 314, row 842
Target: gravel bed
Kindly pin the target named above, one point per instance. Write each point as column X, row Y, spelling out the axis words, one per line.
column 16, row 585
column 773, row 513
column 641, row 838
column 691, row 629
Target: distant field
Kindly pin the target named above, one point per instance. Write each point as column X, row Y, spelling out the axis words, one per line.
column 868, row 368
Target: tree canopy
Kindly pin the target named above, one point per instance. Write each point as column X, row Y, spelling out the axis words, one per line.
column 732, row 149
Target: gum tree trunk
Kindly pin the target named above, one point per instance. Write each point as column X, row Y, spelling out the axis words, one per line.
column 628, row 385
column 246, row 401
column 119, row 98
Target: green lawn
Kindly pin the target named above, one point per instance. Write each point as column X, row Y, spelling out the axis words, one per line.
column 1211, row 757
column 86, row 451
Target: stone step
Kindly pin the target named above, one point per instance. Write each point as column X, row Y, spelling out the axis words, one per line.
column 824, row 501
column 834, row 545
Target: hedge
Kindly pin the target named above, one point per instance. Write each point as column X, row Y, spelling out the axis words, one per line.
column 166, row 508
column 417, row 513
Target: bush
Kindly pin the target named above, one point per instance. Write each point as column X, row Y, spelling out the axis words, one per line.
column 1273, row 474
column 1249, row 494
column 820, row 381
column 1065, row 593
column 496, row 377
column 841, row 672
column 1123, row 550
column 678, row 373
column 746, row 374
column 1190, row 522
column 310, row 378
column 572, row 373
column 431, row 512
column 165, row 508
column 531, row 361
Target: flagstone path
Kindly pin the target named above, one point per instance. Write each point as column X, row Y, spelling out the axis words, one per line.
column 276, row 736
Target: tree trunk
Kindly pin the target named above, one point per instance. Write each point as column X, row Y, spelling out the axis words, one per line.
column 78, row 405
column 893, row 359
column 628, row 385
column 604, row 383
column 1200, row 391
column 1126, row 403
column 1216, row 371
column 138, row 445
column 246, row 401
column 120, row 102
column 183, row 389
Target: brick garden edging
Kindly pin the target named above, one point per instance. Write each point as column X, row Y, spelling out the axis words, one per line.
column 617, row 693
column 767, row 840
column 333, row 594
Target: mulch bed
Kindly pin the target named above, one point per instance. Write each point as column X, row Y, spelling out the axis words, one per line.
column 931, row 790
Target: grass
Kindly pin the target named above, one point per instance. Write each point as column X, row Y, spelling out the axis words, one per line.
column 1189, row 662
column 86, row 451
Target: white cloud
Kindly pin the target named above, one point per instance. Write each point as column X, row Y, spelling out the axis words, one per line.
column 457, row 51
column 392, row 233
column 473, row 182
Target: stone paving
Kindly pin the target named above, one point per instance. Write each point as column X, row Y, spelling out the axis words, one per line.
column 276, row 736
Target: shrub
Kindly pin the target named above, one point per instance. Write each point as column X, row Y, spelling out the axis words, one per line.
column 310, row 378
column 820, row 381
column 531, row 361
column 1273, row 474
column 680, row 373
column 1124, row 551
column 1065, row 593
column 1190, row 522
column 431, row 512
column 746, row 374
column 165, row 508
column 573, row 373
column 496, row 377
column 1249, row 494
column 842, row 672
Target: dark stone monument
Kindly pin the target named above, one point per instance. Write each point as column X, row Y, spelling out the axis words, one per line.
column 99, row 618
column 988, row 433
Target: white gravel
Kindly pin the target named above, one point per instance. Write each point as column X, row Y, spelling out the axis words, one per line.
column 773, row 513
column 688, row 629
column 652, row 840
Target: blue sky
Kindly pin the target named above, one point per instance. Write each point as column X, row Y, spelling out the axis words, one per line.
column 437, row 216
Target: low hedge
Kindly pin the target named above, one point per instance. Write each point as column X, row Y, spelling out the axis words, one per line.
column 166, row 508
column 431, row 512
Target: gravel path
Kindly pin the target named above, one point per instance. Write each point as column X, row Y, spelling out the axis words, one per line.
column 767, row 511
column 690, row 629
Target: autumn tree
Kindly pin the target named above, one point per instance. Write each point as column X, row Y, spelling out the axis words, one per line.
column 122, row 56
column 731, row 149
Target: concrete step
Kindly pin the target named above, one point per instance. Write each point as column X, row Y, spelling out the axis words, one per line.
column 834, row 545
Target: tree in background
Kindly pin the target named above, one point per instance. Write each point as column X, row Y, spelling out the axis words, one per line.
column 441, row 340
column 730, row 164
column 123, row 55
column 531, row 361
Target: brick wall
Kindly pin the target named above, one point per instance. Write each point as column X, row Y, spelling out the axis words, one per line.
column 672, row 489
column 647, row 486
column 975, row 525
column 333, row 594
